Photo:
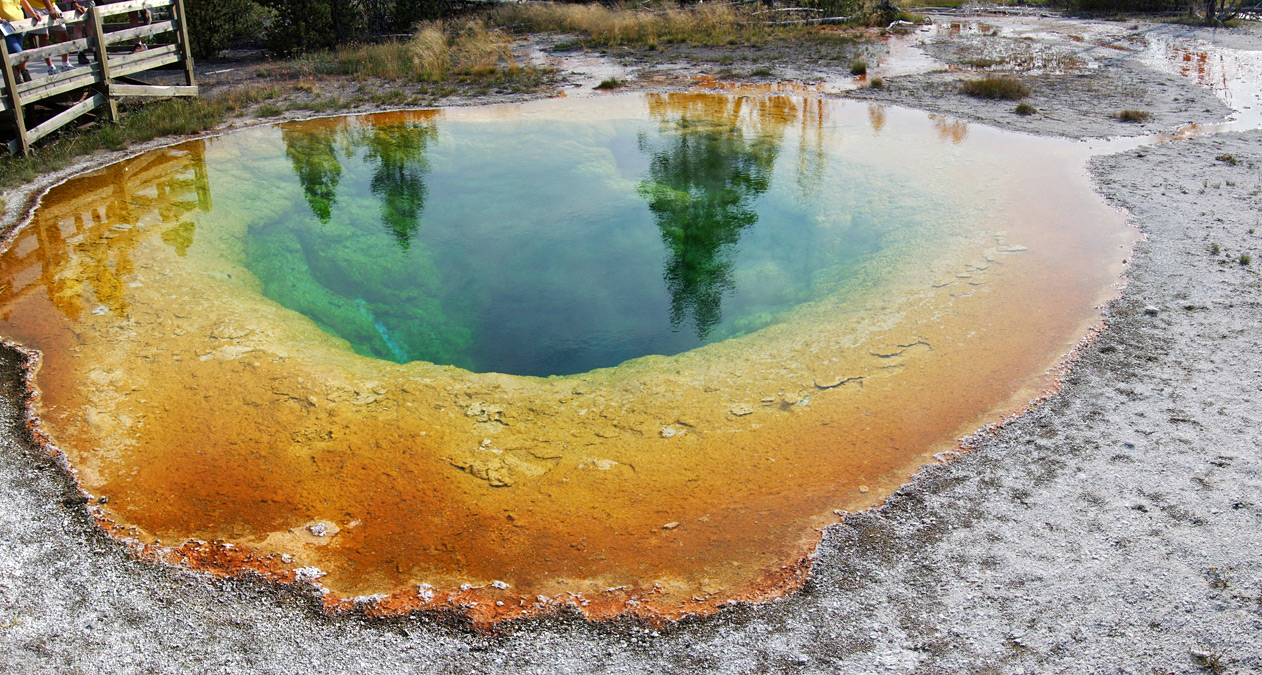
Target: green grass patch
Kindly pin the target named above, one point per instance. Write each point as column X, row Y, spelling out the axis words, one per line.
column 609, row 83
column 859, row 68
column 1134, row 116
column 1025, row 109
column 1009, row 88
column 268, row 110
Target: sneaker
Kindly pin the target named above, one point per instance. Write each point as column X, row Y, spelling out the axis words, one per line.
column 53, row 70
column 67, row 65
column 83, row 58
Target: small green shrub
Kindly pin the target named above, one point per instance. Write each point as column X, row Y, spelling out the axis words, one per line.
column 996, row 88
column 1245, row 258
column 609, row 83
column 1227, row 159
column 859, row 68
column 1025, row 109
column 1134, row 116
column 876, row 83
column 762, row 72
column 1215, row 249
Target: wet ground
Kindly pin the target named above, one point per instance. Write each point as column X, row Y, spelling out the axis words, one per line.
column 1112, row 528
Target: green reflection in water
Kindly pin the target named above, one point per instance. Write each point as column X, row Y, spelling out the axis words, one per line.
column 399, row 179
column 703, row 177
column 335, row 271
column 542, row 246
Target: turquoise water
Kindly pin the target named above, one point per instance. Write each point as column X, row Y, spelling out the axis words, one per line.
column 546, row 245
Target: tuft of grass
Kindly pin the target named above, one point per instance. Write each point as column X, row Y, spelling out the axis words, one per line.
column 996, row 88
column 981, row 62
column 1134, row 116
column 1215, row 249
column 876, row 83
column 437, row 52
column 1209, row 661
column 859, row 67
column 762, row 72
column 1025, row 109
column 268, row 110
column 1245, row 258
column 609, row 83
column 1219, row 578
column 1227, row 159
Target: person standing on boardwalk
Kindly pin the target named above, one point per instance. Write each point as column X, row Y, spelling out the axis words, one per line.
column 83, row 27
column 49, row 11
column 11, row 10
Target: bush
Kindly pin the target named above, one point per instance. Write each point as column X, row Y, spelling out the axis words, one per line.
column 1134, row 116
column 1024, row 109
column 214, row 24
column 995, row 88
column 302, row 26
column 1126, row 6
column 308, row 25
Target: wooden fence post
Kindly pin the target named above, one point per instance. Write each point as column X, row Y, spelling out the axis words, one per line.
column 103, row 59
column 182, row 31
column 15, row 102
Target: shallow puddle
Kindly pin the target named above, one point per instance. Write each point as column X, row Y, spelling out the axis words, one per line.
column 815, row 297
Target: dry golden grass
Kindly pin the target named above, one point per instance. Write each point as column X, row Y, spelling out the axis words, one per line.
column 707, row 24
column 437, row 52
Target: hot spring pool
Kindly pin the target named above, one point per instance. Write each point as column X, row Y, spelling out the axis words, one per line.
column 628, row 353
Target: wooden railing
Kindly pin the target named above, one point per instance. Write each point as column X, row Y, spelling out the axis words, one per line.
column 101, row 83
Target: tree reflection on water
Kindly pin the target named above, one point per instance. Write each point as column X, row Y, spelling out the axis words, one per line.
column 714, row 159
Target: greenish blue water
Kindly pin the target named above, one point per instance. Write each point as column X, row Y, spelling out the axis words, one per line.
column 539, row 245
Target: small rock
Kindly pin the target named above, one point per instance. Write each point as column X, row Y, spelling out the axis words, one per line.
column 1151, row 310
column 741, row 409
column 499, row 584
column 671, row 525
column 863, row 489
column 669, row 432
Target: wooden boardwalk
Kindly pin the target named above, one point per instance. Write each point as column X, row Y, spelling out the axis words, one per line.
column 110, row 76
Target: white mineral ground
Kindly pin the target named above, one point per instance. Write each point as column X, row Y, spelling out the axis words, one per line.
column 1115, row 527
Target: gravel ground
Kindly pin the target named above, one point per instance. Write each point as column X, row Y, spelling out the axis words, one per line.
column 1115, row 528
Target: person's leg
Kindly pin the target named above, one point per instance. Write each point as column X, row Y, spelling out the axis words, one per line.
column 14, row 43
column 63, row 35
column 42, row 40
column 84, row 28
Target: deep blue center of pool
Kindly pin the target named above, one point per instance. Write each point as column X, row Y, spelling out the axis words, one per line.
column 539, row 246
